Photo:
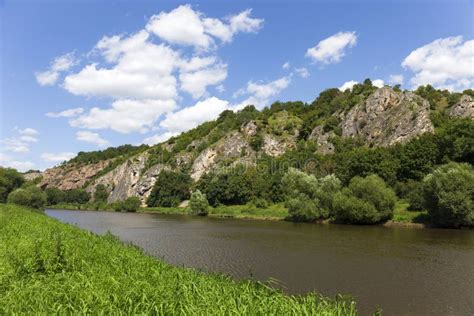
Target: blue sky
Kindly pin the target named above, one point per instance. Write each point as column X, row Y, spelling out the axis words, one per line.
column 84, row 75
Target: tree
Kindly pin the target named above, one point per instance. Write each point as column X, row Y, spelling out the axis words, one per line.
column 10, row 179
column 100, row 194
column 309, row 198
column 198, row 204
column 449, row 195
column 30, row 196
column 365, row 201
column 77, row 196
column 54, row 196
column 171, row 187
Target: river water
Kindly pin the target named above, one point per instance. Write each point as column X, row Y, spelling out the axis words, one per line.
column 403, row 271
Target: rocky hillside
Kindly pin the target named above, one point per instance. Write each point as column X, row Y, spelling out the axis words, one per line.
column 375, row 117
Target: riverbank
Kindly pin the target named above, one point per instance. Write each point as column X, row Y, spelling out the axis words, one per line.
column 51, row 267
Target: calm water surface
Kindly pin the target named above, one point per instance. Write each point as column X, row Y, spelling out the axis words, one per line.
column 404, row 271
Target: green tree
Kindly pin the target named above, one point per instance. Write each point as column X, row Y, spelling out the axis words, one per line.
column 365, row 201
column 100, row 194
column 171, row 187
column 449, row 195
column 30, row 196
column 198, row 204
column 10, row 179
column 79, row 196
column 54, row 196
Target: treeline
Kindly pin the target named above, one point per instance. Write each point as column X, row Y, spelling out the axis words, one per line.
column 109, row 153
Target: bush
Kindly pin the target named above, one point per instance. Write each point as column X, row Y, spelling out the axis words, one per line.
column 10, row 179
column 54, row 196
column 412, row 192
column 170, row 189
column 76, row 196
column 30, row 196
column 365, row 201
column 449, row 195
column 131, row 204
column 309, row 198
column 198, row 204
column 100, row 194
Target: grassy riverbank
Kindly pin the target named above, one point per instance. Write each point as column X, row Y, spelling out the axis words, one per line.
column 51, row 267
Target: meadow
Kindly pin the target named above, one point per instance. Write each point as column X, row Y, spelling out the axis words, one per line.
column 50, row 267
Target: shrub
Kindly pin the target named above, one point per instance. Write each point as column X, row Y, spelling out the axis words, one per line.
column 76, row 196
column 198, row 204
column 54, row 196
column 131, row 204
column 10, row 179
column 170, row 189
column 365, row 201
column 30, row 196
column 412, row 192
column 309, row 198
column 100, row 194
column 449, row 195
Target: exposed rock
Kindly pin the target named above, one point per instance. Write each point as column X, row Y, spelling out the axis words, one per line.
column 184, row 158
column 322, row 140
column 231, row 146
column 32, row 175
column 184, row 204
column 464, row 108
column 275, row 147
column 249, row 129
column 71, row 176
column 388, row 117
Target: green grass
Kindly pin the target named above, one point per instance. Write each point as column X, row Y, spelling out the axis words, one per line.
column 50, row 267
column 403, row 215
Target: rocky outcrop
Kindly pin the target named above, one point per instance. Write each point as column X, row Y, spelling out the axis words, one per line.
column 32, row 175
column 249, row 129
column 388, row 117
column 322, row 140
column 277, row 146
column 464, row 108
column 233, row 145
column 71, row 176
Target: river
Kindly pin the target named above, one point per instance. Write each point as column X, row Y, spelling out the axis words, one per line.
column 403, row 271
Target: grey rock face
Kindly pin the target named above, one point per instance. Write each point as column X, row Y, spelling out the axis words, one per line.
column 464, row 108
column 388, row 117
column 275, row 147
column 249, row 129
column 322, row 140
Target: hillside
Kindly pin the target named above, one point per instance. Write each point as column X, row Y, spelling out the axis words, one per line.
column 318, row 136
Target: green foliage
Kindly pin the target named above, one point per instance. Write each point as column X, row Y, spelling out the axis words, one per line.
column 131, row 204
column 101, row 194
column 449, row 195
column 55, row 196
column 31, row 196
column 80, row 196
column 10, row 179
column 198, row 204
column 44, row 261
column 412, row 192
column 109, row 153
column 365, row 201
column 309, row 198
column 171, row 187
column 456, row 140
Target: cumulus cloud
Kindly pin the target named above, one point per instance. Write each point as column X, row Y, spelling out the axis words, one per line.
column 396, row 79
column 444, row 63
column 195, row 83
column 125, row 115
column 348, row 85
column 90, row 137
column 192, row 116
column 9, row 162
column 286, row 65
column 259, row 94
column 379, row 83
column 158, row 138
column 20, row 143
column 185, row 26
column 333, row 48
column 66, row 113
column 59, row 64
column 57, row 157
column 302, row 72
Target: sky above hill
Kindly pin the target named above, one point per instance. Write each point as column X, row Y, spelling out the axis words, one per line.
column 85, row 75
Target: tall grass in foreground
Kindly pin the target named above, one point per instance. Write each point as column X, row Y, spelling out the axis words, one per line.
column 48, row 266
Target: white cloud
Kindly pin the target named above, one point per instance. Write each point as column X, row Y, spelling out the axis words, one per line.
column 22, row 166
column 66, row 113
column 332, row 49
column 60, row 64
column 379, row 83
column 396, row 79
column 125, row 115
column 444, row 63
column 20, row 143
column 302, row 72
column 192, row 116
column 286, row 65
column 185, row 26
column 90, row 137
column 220, row 88
column 260, row 93
column 27, row 131
column 348, row 85
column 158, row 138
column 195, row 83
column 57, row 157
